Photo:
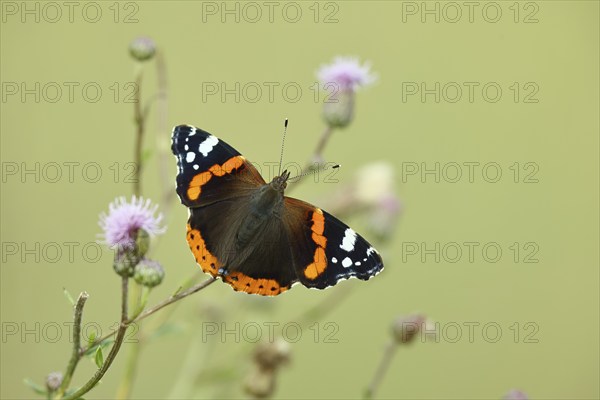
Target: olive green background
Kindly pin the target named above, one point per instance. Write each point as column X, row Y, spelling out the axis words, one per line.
column 558, row 295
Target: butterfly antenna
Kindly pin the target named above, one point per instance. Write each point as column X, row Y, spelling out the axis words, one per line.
column 312, row 171
column 282, row 144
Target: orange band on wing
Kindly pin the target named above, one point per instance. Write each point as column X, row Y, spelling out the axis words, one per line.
column 195, row 188
column 204, row 258
column 319, row 264
column 228, row 166
column 243, row 283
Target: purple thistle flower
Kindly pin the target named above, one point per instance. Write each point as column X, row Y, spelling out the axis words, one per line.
column 124, row 219
column 347, row 72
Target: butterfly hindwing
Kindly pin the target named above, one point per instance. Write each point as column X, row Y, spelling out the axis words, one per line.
column 326, row 250
column 208, row 169
column 262, row 266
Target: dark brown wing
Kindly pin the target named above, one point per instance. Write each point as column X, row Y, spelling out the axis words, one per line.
column 262, row 266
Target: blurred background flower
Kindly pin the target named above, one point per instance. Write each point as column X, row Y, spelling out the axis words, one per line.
column 515, row 394
column 341, row 79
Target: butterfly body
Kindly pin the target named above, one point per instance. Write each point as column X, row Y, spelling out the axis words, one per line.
column 248, row 233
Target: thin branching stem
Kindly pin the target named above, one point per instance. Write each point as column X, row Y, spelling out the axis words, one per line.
column 140, row 119
column 172, row 299
column 75, row 357
column 384, row 365
column 89, row 385
column 317, row 157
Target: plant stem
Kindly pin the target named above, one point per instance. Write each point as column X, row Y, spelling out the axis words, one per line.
column 124, row 390
column 162, row 140
column 317, row 156
column 89, row 385
column 388, row 355
column 172, row 299
column 78, row 315
column 139, row 118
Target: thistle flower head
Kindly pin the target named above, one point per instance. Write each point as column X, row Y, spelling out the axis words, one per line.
column 348, row 75
column 347, row 72
column 125, row 219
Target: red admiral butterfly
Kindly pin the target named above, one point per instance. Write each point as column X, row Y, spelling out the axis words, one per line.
column 247, row 232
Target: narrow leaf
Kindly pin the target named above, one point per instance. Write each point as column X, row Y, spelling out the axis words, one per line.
column 104, row 344
column 34, row 386
column 99, row 358
column 91, row 338
column 68, row 296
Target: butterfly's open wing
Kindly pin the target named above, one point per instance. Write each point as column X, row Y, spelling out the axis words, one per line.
column 263, row 266
column 208, row 169
column 324, row 249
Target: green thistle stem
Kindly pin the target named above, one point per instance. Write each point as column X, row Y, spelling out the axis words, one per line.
column 89, row 385
column 77, row 317
column 384, row 365
column 140, row 123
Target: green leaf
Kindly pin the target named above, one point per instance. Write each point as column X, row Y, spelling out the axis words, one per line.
column 91, row 338
column 104, row 344
column 69, row 392
column 99, row 358
column 68, row 296
column 175, row 293
column 35, row 387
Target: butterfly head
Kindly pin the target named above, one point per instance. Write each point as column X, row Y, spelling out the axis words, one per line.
column 279, row 183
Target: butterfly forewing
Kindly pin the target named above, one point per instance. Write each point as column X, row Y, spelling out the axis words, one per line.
column 208, row 169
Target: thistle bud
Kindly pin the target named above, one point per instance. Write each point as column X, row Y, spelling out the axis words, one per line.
column 338, row 109
column 125, row 261
column 268, row 357
column 272, row 355
column 260, row 383
column 149, row 273
column 53, row 381
column 406, row 328
column 142, row 48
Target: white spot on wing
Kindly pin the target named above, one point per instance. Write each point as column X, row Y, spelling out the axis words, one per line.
column 346, row 262
column 186, row 147
column 357, row 263
column 371, row 250
column 208, row 144
column 190, row 156
column 334, row 260
column 348, row 240
column 196, row 166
